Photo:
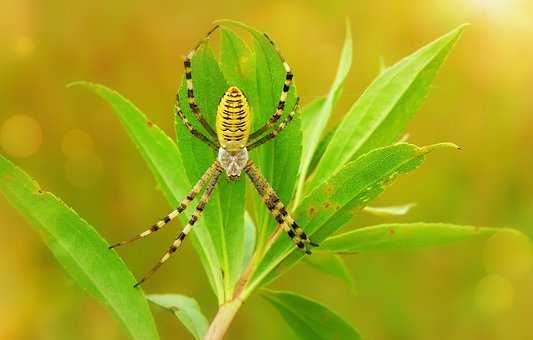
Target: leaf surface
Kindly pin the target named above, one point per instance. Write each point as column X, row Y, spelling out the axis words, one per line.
column 224, row 214
column 250, row 236
column 278, row 159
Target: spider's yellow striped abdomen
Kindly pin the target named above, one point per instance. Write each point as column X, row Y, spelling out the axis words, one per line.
column 233, row 120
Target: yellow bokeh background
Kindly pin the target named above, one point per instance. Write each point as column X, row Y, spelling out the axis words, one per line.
column 71, row 143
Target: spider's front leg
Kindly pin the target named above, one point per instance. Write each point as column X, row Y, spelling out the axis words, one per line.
column 192, row 130
column 187, row 62
column 278, row 210
column 191, row 99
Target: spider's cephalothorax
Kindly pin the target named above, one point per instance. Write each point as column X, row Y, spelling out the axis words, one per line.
column 233, row 130
column 232, row 140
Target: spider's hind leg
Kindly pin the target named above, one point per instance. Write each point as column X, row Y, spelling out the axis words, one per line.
column 181, row 207
column 278, row 210
column 194, row 218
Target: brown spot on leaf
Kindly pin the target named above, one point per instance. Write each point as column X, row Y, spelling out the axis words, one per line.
column 312, row 211
column 328, row 189
column 392, row 231
column 326, row 204
column 149, row 123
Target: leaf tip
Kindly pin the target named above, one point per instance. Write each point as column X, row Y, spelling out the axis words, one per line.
column 458, row 31
column 348, row 41
column 231, row 22
column 78, row 83
column 221, row 21
column 512, row 231
column 463, row 26
column 348, row 28
column 445, row 145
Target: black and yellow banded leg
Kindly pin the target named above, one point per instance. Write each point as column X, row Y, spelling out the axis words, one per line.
column 181, row 207
column 277, row 130
column 282, row 99
column 191, row 128
column 194, row 218
column 278, row 210
column 190, row 88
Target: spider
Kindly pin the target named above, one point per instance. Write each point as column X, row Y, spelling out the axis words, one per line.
column 232, row 140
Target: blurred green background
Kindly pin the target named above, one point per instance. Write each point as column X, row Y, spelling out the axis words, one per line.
column 71, row 143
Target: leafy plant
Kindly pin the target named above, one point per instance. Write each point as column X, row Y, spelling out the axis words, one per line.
column 329, row 177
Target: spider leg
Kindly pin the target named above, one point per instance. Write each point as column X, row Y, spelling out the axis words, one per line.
column 190, row 88
column 194, row 218
column 277, row 130
column 277, row 209
column 283, row 97
column 191, row 128
column 181, row 207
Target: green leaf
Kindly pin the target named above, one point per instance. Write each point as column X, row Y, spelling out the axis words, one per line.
column 186, row 309
column 250, row 236
column 315, row 120
column 237, row 63
column 334, row 203
column 396, row 210
column 381, row 113
column 284, row 151
column 332, row 265
column 80, row 249
column 165, row 162
column 309, row 319
column 398, row 236
column 224, row 214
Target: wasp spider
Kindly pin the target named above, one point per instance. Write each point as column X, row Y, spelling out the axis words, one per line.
column 233, row 140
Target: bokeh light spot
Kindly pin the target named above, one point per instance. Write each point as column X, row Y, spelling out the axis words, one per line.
column 21, row 136
column 494, row 295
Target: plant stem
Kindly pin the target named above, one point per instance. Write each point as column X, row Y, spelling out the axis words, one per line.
column 223, row 319
column 226, row 312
